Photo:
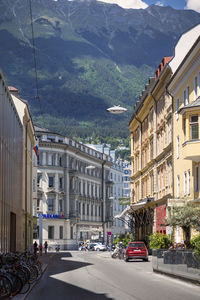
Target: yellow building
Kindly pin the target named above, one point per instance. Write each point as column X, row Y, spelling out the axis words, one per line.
column 184, row 86
column 151, row 154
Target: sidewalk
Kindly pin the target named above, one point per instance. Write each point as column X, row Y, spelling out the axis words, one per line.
column 44, row 258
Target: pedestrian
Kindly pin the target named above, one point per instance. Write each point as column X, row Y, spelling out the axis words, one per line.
column 40, row 248
column 45, row 247
column 35, row 247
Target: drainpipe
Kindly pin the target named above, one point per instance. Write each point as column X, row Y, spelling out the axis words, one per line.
column 167, row 91
column 26, row 187
column 103, row 206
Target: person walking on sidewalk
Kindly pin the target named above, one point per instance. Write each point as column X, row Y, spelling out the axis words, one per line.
column 40, row 248
column 35, row 247
column 45, row 247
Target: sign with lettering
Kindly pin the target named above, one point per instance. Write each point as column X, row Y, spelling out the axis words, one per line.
column 51, row 216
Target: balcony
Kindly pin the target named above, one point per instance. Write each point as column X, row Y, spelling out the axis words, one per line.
column 191, row 150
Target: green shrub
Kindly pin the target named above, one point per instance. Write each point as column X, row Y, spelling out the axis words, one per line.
column 195, row 242
column 159, row 241
column 124, row 238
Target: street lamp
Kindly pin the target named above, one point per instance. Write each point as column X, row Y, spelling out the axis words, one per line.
column 117, row 109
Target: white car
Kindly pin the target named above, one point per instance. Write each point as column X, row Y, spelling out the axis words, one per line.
column 100, row 247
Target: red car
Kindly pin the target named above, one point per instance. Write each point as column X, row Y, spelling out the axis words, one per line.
column 136, row 250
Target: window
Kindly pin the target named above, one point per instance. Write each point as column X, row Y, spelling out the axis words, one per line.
column 185, row 183
column 99, row 211
column 178, row 186
column 187, row 95
column 196, row 179
column 60, row 205
column 195, row 87
column 38, row 160
column 91, row 210
column 151, row 149
column 71, row 232
column 184, row 128
column 61, row 232
column 60, row 183
column 95, row 210
column 60, row 161
column 184, row 97
column 88, row 209
column 177, row 147
column 194, row 128
column 50, row 232
column 51, row 181
column 50, row 204
column 188, row 182
column 83, row 208
column 39, row 176
column 177, row 108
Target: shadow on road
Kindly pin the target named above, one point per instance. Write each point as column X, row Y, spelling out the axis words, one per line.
column 55, row 289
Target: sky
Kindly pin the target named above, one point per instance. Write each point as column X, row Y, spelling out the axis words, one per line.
column 177, row 4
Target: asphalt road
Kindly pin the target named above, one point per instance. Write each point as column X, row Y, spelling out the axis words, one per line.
column 95, row 275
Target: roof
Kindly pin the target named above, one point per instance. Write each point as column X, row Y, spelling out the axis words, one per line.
column 183, row 46
column 41, row 129
column 193, row 104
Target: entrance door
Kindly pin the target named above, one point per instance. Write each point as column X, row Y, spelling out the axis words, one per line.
column 12, row 232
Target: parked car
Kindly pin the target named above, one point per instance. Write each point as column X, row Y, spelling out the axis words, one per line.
column 91, row 246
column 100, row 247
column 136, row 250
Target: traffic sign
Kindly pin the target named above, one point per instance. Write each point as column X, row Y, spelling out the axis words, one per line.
column 109, row 233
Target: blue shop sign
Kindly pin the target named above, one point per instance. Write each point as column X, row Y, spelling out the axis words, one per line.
column 51, row 216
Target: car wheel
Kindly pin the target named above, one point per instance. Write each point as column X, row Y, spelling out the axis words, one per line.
column 145, row 259
column 126, row 259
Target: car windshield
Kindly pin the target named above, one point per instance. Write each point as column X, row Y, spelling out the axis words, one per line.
column 138, row 245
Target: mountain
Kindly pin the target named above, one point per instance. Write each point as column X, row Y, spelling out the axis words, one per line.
column 89, row 56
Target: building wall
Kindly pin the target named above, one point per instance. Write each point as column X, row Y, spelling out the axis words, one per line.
column 151, row 153
column 186, row 90
column 11, row 134
column 72, row 173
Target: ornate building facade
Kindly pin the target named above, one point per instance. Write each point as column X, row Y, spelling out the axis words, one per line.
column 151, row 154
column 73, row 191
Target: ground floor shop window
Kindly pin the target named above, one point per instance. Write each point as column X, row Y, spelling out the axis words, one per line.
column 50, row 232
column 61, row 232
column 71, row 233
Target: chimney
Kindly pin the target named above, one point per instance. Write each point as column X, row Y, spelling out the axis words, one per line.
column 14, row 91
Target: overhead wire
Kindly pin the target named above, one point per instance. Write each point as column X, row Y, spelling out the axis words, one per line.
column 34, row 56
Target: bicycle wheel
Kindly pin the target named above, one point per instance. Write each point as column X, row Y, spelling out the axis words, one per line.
column 17, row 283
column 33, row 274
column 5, row 287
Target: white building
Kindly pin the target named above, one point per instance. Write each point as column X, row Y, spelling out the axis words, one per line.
column 73, row 191
column 117, row 189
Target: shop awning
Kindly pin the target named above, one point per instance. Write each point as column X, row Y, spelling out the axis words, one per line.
column 139, row 205
column 123, row 213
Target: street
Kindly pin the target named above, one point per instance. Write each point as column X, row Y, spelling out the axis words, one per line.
column 95, row 275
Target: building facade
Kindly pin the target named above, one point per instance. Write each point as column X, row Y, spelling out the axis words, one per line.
column 185, row 89
column 11, row 155
column 151, row 154
column 28, row 167
column 73, row 191
column 116, row 176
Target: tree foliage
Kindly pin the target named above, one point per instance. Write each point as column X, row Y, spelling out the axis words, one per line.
column 159, row 241
column 124, row 238
column 195, row 242
column 185, row 216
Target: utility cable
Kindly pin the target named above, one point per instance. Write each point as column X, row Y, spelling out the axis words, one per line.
column 34, row 56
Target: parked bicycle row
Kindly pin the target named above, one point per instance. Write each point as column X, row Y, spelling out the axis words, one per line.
column 17, row 272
